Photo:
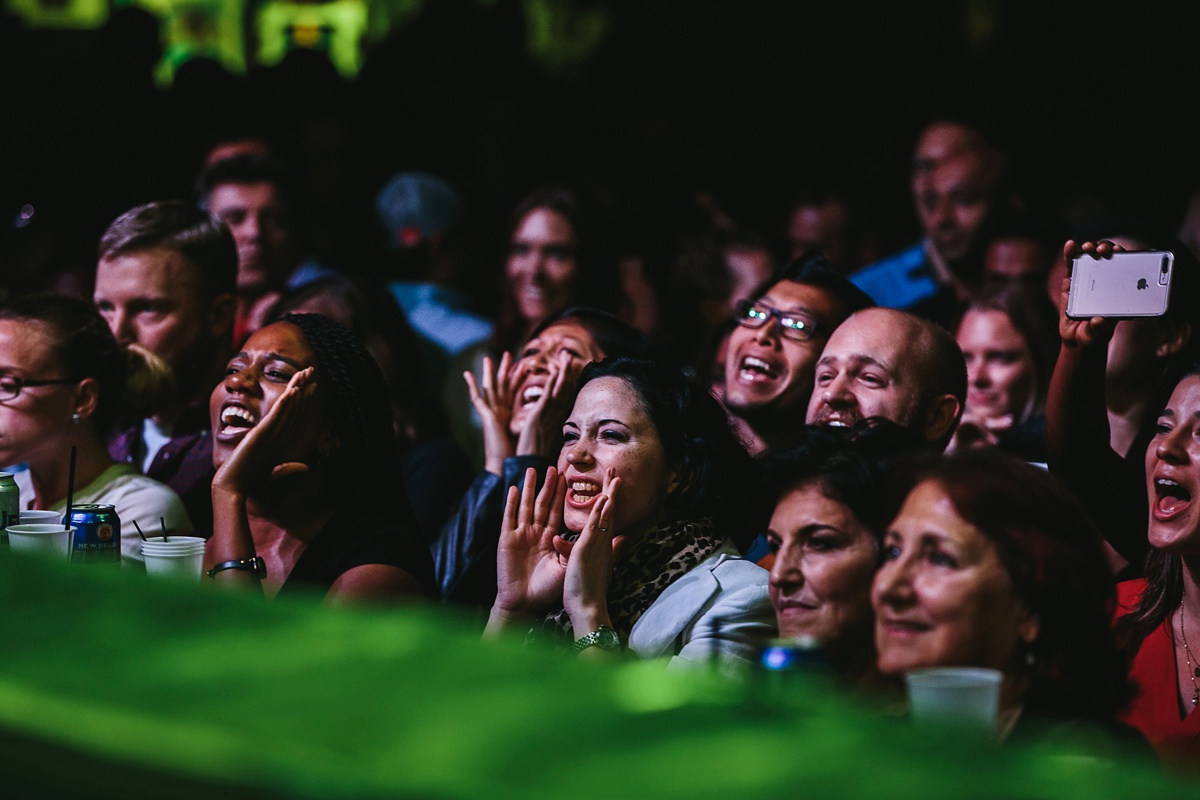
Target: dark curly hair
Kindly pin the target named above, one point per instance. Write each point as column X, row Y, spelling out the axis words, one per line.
column 715, row 471
column 856, row 466
column 366, row 464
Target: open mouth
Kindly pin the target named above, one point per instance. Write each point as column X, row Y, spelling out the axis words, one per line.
column 754, row 370
column 1171, row 498
column 236, row 420
column 581, row 493
column 531, row 394
column 836, row 419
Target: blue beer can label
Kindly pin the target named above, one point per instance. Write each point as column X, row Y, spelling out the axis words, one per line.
column 97, row 537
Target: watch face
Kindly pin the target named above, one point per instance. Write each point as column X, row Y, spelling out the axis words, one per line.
column 608, row 639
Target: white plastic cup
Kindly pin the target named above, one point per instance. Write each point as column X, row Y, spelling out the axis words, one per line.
column 960, row 696
column 34, row 516
column 41, row 539
column 173, row 542
column 184, row 565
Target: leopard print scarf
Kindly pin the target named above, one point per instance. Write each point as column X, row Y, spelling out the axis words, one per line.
column 645, row 569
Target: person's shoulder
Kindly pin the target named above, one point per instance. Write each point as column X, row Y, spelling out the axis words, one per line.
column 730, row 567
column 898, row 280
column 1129, row 594
column 132, row 484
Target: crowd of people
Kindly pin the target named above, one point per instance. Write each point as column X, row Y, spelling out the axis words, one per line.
column 916, row 458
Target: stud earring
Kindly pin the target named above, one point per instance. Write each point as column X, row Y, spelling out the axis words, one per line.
column 76, row 418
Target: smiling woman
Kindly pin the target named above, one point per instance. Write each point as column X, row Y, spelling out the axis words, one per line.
column 991, row 562
column 63, row 380
column 305, row 455
column 1009, row 338
column 629, row 543
column 522, row 406
column 832, row 501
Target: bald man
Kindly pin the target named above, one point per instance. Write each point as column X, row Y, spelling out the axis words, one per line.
column 883, row 362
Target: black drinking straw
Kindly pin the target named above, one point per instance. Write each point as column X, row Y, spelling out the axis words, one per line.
column 139, row 530
column 70, row 489
column 163, row 522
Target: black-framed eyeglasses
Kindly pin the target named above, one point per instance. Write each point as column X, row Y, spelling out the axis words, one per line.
column 792, row 324
column 11, row 385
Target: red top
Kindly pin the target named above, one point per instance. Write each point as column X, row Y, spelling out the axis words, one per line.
column 1155, row 707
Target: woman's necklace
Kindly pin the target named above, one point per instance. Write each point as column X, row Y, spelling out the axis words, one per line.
column 1193, row 670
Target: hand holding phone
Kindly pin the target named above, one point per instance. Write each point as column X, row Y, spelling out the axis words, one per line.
column 1122, row 286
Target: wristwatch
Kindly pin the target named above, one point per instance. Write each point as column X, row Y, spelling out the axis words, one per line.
column 255, row 565
column 603, row 636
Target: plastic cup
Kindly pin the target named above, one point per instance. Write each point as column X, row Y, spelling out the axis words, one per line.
column 183, row 566
column 34, row 516
column 179, row 557
column 966, row 697
column 173, row 542
column 41, row 539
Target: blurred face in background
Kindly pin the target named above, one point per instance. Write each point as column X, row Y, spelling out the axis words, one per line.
column 1000, row 371
column 953, row 200
column 256, row 215
column 542, row 267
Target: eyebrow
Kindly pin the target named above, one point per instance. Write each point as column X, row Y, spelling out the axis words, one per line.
column 789, row 308
column 274, row 357
column 857, row 358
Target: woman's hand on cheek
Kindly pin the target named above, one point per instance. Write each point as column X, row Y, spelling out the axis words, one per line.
column 529, row 570
column 590, row 563
column 259, row 456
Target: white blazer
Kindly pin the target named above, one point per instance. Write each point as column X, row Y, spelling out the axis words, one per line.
column 719, row 608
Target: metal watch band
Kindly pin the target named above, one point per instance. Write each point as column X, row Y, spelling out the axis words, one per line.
column 255, row 565
column 603, row 636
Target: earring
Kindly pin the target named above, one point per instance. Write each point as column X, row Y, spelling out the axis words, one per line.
column 1030, row 660
column 76, row 418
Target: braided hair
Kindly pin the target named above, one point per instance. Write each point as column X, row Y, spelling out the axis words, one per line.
column 367, row 458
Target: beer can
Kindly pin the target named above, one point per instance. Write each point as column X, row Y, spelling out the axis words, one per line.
column 10, row 504
column 97, row 537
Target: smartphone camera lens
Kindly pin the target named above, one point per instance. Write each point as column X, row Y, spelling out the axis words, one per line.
column 1166, row 264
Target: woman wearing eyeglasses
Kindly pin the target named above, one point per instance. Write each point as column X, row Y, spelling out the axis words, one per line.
column 63, row 380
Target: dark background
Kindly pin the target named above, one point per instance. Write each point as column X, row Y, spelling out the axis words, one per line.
column 740, row 101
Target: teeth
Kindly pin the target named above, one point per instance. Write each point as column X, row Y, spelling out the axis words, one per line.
column 750, row 362
column 532, row 393
column 836, row 423
column 231, row 413
column 584, row 486
column 1164, row 482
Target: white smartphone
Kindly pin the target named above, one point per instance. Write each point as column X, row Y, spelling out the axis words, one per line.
column 1126, row 285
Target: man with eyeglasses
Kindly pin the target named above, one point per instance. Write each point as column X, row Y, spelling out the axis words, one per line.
column 771, row 354
column 165, row 280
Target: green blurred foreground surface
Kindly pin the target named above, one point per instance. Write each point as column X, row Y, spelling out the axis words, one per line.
column 114, row 684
